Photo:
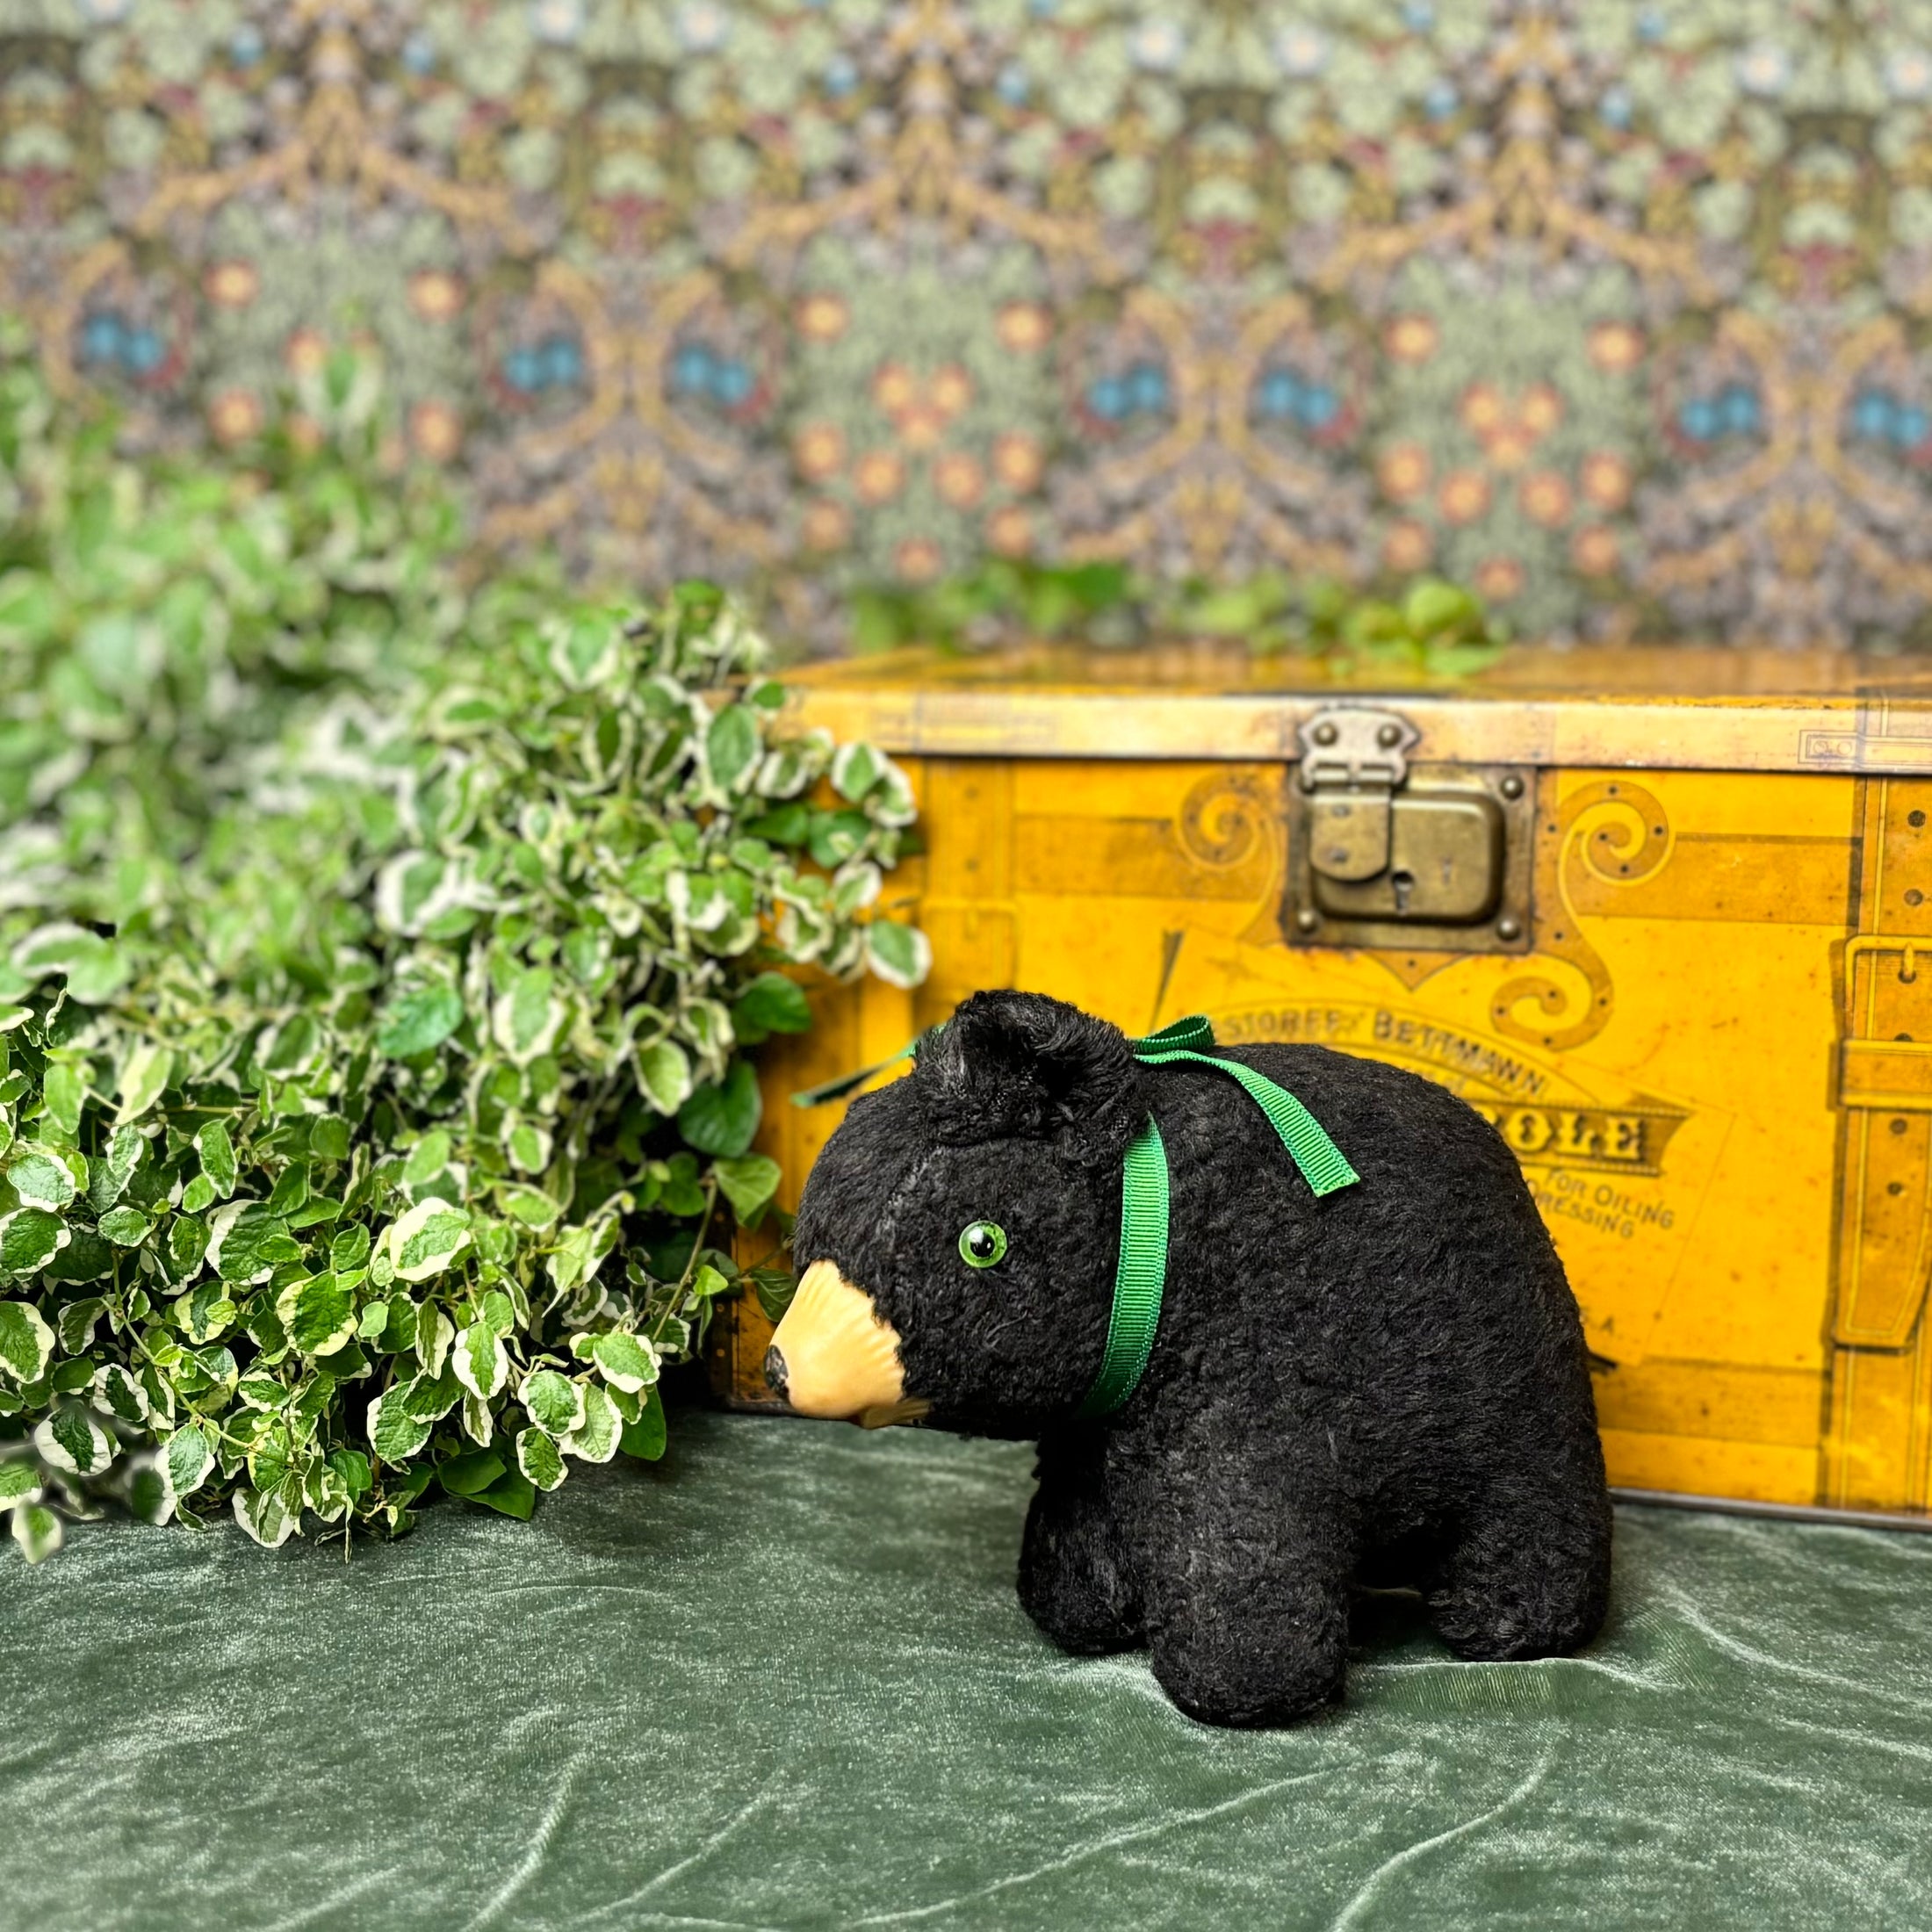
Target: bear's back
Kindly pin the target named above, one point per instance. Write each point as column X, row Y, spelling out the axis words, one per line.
column 1431, row 1284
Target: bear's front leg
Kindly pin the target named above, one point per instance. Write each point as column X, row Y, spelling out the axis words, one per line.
column 1075, row 1579
column 1247, row 1582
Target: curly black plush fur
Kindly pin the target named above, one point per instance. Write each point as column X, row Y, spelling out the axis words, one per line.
column 1390, row 1382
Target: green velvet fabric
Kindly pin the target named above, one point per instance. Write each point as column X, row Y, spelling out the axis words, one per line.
column 783, row 1680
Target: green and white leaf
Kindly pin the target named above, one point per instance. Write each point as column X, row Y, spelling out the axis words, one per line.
column 30, row 1237
column 37, row 1530
column 531, row 1205
column 537, row 1456
column 528, row 1145
column 748, row 1182
column 664, row 1074
column 426, row 1239
column 266, row 1517
column 43, row 1178
column 595, row 1439
column 435, row 1332
column 479, row 1422
column 96, row 969
column 626, row 1361
column 118, row 1390
column 144, row 1079
column 318, row 1314
column 527, row 1018
column 581, row 1252
column 901, row 956
column 187, row 1461
column 855, row 770
column 19, row 1481
column 394, row 1433
column 554, row 1402
column 216, row 1152
column 126, row 1226
column 480, row 1361
column 26, row 1343
column 70, row 1440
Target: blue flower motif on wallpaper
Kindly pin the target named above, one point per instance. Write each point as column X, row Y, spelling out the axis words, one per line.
column 1283, row 395
column 1879, row 416
column 556, row 362
column 1734, row 410
column 1139, row 390
column 702, row 374
column 112, row 343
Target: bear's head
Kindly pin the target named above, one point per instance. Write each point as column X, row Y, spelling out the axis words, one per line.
column 958, row 1235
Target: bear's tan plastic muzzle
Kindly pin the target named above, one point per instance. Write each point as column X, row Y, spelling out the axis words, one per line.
column 833, row 1357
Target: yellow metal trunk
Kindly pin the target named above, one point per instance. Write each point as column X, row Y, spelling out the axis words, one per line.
column 1666, row 919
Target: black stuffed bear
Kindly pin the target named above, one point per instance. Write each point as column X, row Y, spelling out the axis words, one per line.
column 1387, row 1384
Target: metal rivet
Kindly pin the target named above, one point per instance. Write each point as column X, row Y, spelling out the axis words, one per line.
column 1509, row 927
column 1307, row 919
column 1326, row 734
column 1915, row 818
column 1389, row 736
column 1511, row 787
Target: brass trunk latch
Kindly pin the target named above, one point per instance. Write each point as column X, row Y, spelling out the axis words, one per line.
column 1391, row 853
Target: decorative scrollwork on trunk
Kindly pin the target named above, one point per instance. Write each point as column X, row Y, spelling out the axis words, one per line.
column 1613, row 831
column 1234, row 818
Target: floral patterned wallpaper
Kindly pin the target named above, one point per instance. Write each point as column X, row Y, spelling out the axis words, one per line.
column 1618, row 309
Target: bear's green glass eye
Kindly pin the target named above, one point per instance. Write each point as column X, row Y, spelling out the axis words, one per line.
column 982, row 1244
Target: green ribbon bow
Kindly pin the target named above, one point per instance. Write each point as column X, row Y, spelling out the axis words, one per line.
column 1140, row 1280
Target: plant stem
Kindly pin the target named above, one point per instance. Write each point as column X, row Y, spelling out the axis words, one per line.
column 691, row 1265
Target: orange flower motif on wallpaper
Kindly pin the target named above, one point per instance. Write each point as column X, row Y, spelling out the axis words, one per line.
column 1018, row 460
column 819, row 451
column 921, row 408
column 1411, row 338
column 1499, row 579
column 231, row 284
column 1509, row 428
column 434, row 294
column 918, row 560
column 1009, row 532
column 1616, row 348
column 1596, row 551
column 822, row 318
column 1403, row 471
column 1605, row 480
column 305, row 352
column 234, row 415
column 435, row 431
column 1023, row 327
column 1546, row 498
column 879, row 475
column 1407, row 546
column 825, row 526
column 1464, row 496
column 959, row 480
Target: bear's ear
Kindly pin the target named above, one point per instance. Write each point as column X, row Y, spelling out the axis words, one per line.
column 1020, row 1065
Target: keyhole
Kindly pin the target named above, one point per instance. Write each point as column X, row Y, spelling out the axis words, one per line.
column 1404, row 883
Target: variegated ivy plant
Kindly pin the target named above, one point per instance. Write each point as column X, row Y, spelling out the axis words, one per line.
column 393, row 1144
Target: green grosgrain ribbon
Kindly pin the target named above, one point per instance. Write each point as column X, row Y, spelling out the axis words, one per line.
column 1141, row 1277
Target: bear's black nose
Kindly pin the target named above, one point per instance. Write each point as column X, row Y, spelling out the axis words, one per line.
column 775, row 1371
